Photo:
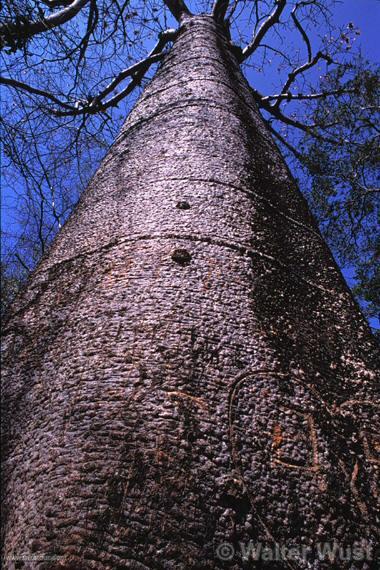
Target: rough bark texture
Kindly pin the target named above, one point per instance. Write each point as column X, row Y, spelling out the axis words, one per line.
column 187, row 366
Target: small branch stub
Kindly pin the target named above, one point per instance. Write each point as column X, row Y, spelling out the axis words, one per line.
column 183, row 205
column 178, row 8
column 181, row 256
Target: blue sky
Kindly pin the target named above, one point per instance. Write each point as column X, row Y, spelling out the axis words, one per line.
column 366, row 15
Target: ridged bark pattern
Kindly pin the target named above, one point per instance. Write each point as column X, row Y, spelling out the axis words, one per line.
column 187, row 365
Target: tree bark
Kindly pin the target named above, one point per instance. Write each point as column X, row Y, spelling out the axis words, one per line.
column 187, row 366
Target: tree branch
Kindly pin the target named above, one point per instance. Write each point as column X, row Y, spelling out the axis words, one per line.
column 279, row 116
column 35, row 91
column 154, row 55
column 301, row 69
column 308, row 96
column 300, row 28
column 136, row 71
column 271, row 20
column 232, row 10
column 56, row 3
column 219, row 10
column 15, row 34
column 93, row 17
column 22, row 262
column 286, row 143
column 178, row 8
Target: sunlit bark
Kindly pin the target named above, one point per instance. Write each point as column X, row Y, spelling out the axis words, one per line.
column 186, row 366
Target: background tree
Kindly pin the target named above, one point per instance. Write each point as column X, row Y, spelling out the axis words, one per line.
column 72, row 70
column 343, row 177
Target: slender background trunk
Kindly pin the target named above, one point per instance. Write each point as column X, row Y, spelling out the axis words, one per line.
column 187, row 366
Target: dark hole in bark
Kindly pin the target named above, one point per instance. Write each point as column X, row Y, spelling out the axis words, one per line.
column 35, row 545
column 191, row 437
column 181, row 256
column 239, row 503
column 183, row 205
column 115, row 492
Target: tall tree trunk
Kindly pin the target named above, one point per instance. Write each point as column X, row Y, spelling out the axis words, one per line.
column 187, row 366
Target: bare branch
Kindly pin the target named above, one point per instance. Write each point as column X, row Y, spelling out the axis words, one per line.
column 307, row 96
column 301, row 69
column 22, row 262
column 219, row 10
column 232, row 10
column 178, row 8
column 136, row 71
column 300, row 28
column 56, row 3
column 97, row 103
column 15, row 34
column 154, row 55
column 279, row 116
column 93, row 16
column 271, row 20
column 285, row 93
column 286, row 143
column 35, row 91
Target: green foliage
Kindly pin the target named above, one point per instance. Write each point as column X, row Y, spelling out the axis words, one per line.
column 344, row 165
